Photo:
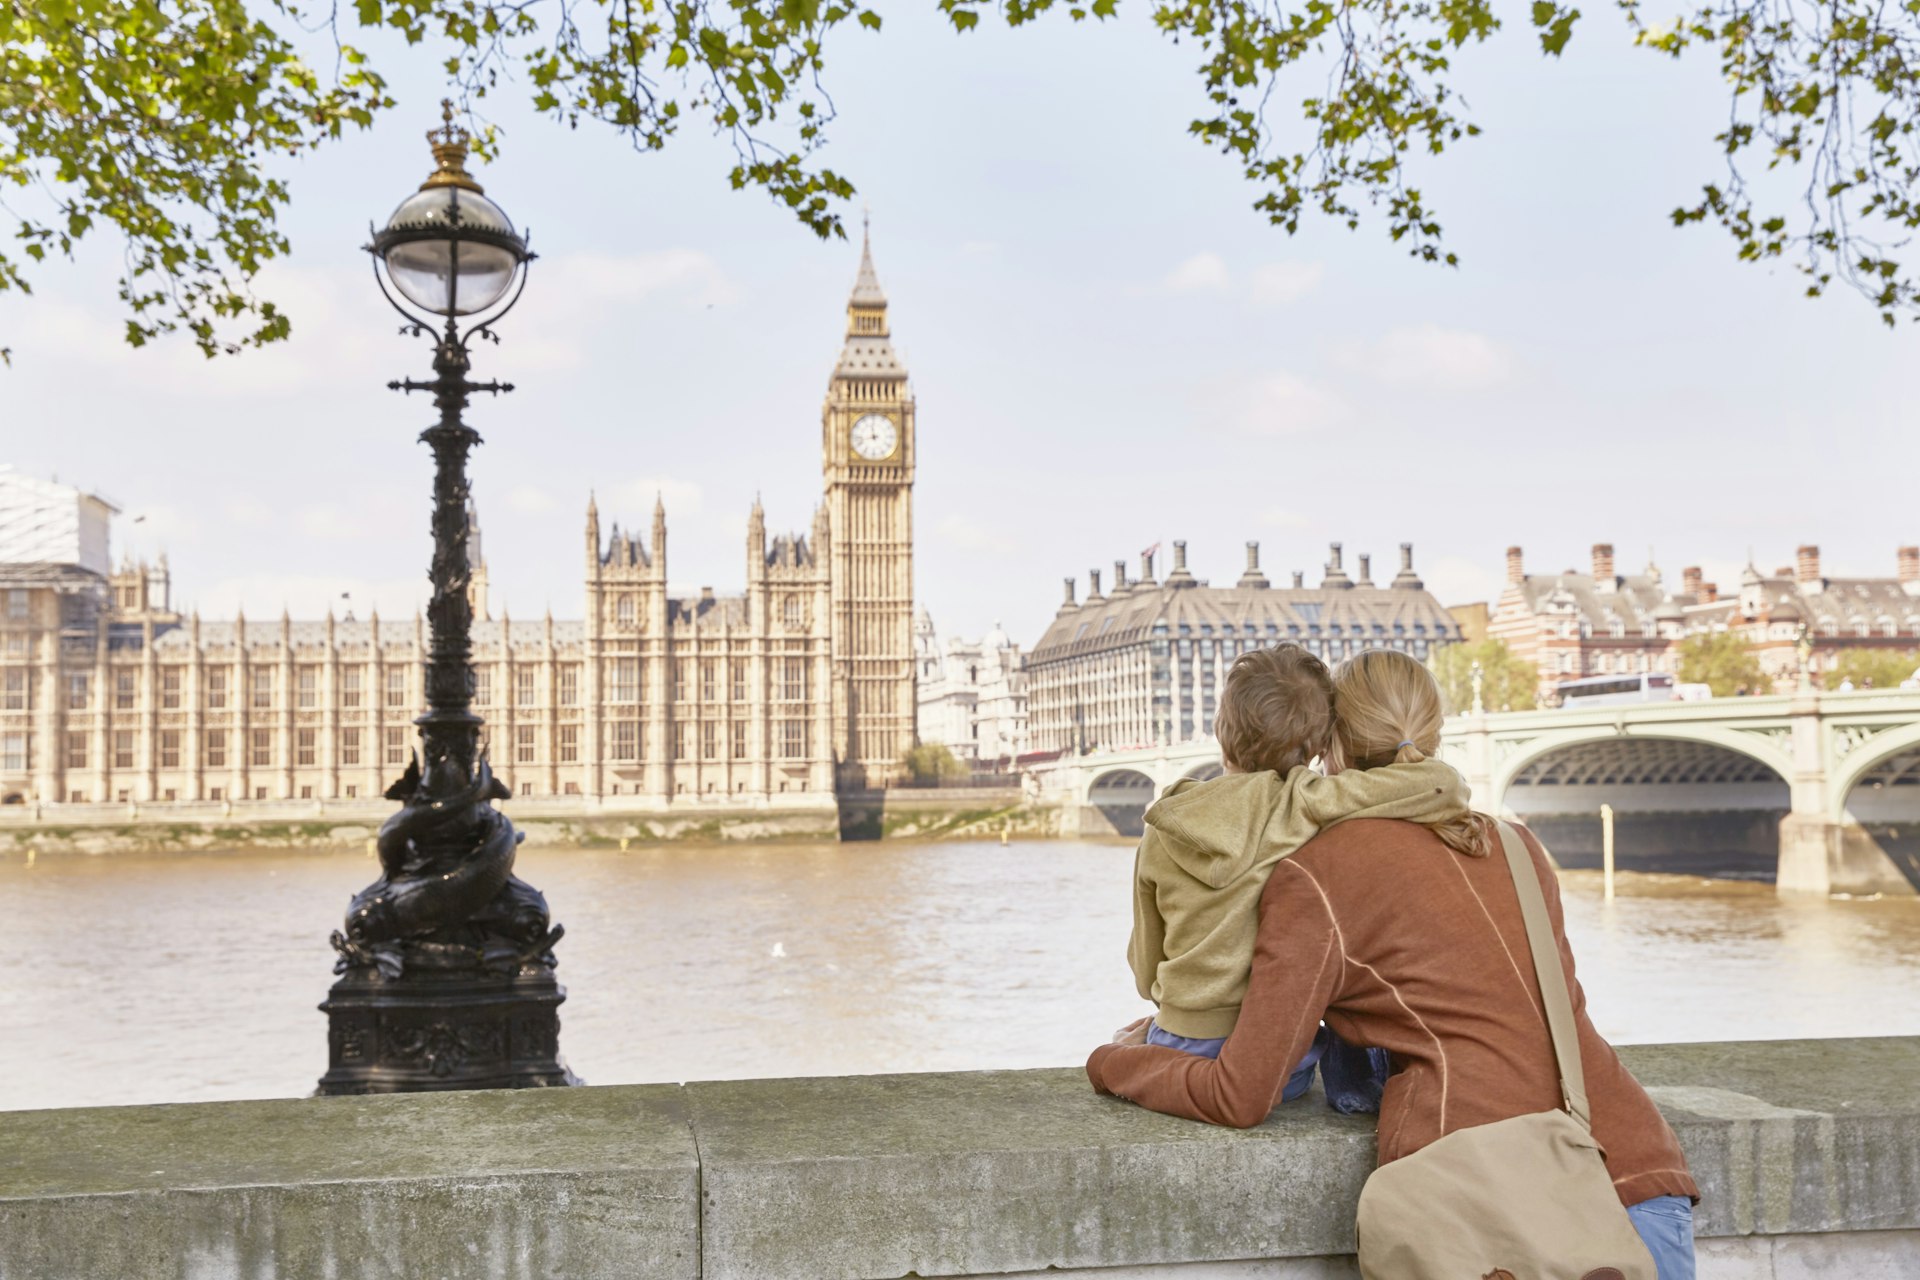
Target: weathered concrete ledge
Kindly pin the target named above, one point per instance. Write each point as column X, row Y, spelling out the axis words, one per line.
column 1808, row 1153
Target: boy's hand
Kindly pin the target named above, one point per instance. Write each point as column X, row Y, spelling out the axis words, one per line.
column 1134, row 1032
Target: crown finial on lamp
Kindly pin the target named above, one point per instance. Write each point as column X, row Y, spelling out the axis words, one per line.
column 449, row 143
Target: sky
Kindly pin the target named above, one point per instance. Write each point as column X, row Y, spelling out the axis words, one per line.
column 1109, row 347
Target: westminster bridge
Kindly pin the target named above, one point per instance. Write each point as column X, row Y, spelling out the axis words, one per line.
column 1821, row 789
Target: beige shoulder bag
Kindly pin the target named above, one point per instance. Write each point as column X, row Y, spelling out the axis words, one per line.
column 1527, row 1198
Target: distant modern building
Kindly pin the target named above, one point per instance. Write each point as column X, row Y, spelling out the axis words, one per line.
column 1603, row 622
column 973, row 694
column 801, row 685
column 1143, row 664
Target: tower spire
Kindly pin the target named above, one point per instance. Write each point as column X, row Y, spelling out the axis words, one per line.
column 868, row 357
column 866, row 285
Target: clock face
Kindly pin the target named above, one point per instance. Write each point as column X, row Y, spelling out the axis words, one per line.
column 875, row 437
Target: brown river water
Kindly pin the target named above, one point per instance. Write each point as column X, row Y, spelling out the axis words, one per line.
column 193, row 977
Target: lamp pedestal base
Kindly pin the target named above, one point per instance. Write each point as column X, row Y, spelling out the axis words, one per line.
column 430, row 1031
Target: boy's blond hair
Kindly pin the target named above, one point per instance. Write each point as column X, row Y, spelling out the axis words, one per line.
column 1276, row 711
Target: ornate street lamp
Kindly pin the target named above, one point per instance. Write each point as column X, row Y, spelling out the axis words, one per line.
column 446, row 961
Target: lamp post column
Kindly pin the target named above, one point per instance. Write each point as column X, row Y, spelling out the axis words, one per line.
column 446, row 961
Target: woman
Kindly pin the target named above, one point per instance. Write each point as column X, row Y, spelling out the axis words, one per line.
column 1410, row 939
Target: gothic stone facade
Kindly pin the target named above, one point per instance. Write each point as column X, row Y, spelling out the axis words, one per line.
column 802, row 684
column 1143, row 666
column 973, row 695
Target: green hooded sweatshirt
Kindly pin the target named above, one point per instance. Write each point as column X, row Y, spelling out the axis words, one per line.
column 1206, row 856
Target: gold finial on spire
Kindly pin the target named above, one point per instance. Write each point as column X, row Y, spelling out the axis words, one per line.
column 449, row 143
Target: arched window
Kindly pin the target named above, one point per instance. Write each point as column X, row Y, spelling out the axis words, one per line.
column 790, row 611
column 623, row 611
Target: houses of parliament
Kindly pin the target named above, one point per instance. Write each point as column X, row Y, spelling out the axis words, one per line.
column 797, row 688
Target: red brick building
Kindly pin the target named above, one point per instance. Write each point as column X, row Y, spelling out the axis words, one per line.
column 1603, row 622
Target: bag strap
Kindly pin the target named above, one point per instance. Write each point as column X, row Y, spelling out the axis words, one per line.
column 1553, row 979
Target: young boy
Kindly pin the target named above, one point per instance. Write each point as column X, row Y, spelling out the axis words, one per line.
column 1210, row 846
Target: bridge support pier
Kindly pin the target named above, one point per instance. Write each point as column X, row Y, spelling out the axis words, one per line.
column 1807, row 843
column 1806, row 835
column 1818, row 856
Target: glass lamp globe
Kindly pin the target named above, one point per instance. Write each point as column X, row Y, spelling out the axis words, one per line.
column 449, row 249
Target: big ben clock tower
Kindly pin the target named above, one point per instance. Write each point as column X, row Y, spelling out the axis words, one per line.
column 867, row 450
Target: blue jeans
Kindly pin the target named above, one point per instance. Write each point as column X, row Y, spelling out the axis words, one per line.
column 1665, row 1223
column 1354, row 1076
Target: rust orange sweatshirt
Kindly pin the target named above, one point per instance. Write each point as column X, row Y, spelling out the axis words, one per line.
column 1408, row 946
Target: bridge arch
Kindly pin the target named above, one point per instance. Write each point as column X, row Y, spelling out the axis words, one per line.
column 1121, row 795
column 1876, row 814
column 1533, row 750
column 1873, row 755
column 1691, row 803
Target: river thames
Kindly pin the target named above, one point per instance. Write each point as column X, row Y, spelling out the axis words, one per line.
column 138, row 979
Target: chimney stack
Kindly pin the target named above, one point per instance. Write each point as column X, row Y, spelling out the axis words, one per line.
column 1515, row 574
column 1146, row 569
column 1120, row 577
column 1603, row 577
column 1709, row 592
column 1253, row 578
column 1336, row 576
column 1180, row 577
column 1093, row 586
column 1691, row 581
column 1407, row 578
column 1069, row 602
column 1366, row 570
column 1299, row 580
column 1910, row 570
column 1806, row 567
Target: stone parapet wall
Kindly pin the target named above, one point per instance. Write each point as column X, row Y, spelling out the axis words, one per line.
column 1808, row 1153
column 961, row 813
column 946, row 813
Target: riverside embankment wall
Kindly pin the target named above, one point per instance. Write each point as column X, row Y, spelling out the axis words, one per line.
column 1808, row 1153
column 961, row 813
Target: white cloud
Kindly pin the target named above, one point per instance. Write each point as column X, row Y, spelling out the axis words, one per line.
column 263, row 595
column 696, row 278
column 249, row 513
column 1275, row 284
column 330, row 522
column 682, row 497
column 1203, row 272
column 530, row 499
column 1270, row 284
column 1433, row 357
column 1457, row 580
column 552, row 350
column 330, row 337
column 149, row 529
column 1281, row 403
column 969, row 536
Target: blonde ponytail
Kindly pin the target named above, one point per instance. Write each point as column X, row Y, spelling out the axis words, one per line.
column 1387, row 710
